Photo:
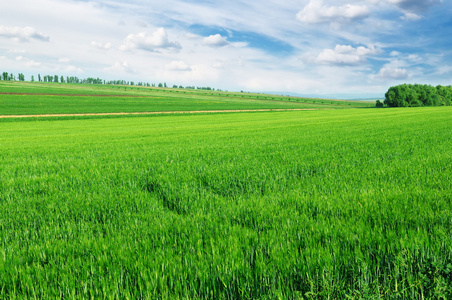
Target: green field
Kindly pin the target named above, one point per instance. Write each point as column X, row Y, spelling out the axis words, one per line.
column 323, row 204
column 47, row 98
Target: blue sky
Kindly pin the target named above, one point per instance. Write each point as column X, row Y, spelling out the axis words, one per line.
column 299, row 46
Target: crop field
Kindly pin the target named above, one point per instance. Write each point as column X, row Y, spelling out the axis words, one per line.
column 20, row 98
column 342, row 204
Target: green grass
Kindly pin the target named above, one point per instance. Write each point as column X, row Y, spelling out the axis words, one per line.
column 312, row 204
column 45, row 98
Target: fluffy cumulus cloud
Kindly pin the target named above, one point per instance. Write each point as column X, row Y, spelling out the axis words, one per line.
column 345, row 55
column 153, row 42
column 317, row 12
column 396, row 69
column 216, row 41
column 390, row 72
column 23, row 34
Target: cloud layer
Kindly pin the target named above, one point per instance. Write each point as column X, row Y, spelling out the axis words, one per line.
column 23, row 34
column 417, row 6
column 303, row 46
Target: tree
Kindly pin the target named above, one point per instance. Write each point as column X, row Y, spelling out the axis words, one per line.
column 379, row 103
column 5, row 75
column 444, row 95
column 21, row 77
column 55, row 78
column 409, row 95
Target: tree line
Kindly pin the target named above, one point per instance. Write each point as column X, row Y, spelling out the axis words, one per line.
column 409, row 95
column 5, row 76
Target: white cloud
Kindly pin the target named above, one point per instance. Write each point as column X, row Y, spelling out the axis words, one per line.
column 409, row 16
column 218, row 65
column 444, row 70
column 28, row 62
column 192, row 36
column 395, row 69
column 178, row 66
column 73, row 69
column 17, row 51
column 216, row 41
column 23, row 34
column 102, row 46
column 414, row 5
column 414, row 58
column 80, row 30
column 392, row 73
column 412, row 9
column 122, row 67
column 149, row 42
column 317, row 12
column 345, row 55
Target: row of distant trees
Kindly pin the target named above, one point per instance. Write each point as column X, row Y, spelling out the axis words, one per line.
column 407, row 95
column 75, row 80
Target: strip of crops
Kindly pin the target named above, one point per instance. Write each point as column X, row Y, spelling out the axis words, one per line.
column 55, row 88
column 52, row 104
column 18, row 98
column 314, row 204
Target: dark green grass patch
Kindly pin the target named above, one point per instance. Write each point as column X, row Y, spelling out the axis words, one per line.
column 51, row 104
column 19, row 98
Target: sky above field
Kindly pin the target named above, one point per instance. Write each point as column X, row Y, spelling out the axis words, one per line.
column 300, row 46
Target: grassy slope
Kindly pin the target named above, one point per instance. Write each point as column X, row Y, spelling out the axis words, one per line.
column 140, row 99
column 316, row 204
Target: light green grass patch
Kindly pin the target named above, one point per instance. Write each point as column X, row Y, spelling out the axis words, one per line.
column 313, row 204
